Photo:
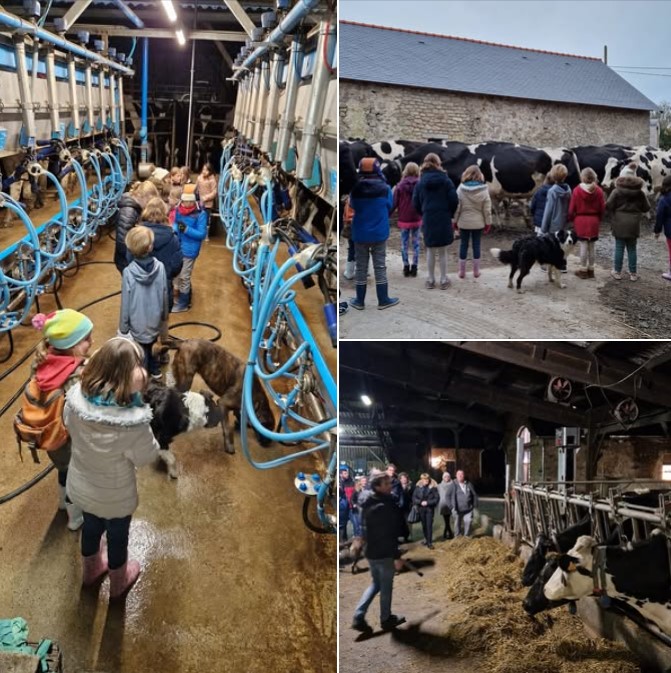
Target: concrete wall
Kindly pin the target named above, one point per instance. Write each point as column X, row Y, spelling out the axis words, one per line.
column 382, row 112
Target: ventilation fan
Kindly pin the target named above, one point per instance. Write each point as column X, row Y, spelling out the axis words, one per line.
column 626, row 411
column 559, row 390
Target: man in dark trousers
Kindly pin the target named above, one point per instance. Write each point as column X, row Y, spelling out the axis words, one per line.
column 465, row 501
column 382, row 523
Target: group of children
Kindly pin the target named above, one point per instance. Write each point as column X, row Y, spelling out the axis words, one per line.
column 99, row 431
column 426, row 199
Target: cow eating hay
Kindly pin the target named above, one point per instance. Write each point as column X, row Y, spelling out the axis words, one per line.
column 482, row 576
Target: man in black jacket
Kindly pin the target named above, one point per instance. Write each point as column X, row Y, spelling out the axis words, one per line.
column 382, row 524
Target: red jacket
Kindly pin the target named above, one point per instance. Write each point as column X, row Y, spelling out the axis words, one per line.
column 408, row 217
column 586, row 211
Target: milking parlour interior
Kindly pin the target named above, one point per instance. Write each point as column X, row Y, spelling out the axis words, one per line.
column 547, row 548
column 101, row 105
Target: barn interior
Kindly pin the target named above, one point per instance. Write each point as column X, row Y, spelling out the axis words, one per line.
column 556, row 430
column 105, row 96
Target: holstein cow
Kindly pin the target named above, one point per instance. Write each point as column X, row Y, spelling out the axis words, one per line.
column 638, row 577
column 392, row 150
column 560, row 541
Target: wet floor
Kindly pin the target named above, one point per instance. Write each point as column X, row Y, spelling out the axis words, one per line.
column 232, row 579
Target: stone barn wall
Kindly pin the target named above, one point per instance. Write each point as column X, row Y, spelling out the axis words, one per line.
column 622, row 458
column 377, row 112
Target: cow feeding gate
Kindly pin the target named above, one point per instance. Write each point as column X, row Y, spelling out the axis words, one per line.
column 631, row 508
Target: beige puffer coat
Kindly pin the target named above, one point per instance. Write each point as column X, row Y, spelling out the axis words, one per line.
column 475, row 206
column 108, row 443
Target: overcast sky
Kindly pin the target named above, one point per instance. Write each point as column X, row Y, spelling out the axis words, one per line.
column 637, row 32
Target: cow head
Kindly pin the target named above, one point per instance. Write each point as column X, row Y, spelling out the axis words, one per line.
column 536, row 562
column 535, row 600
column 392, row 171
column 573, row 577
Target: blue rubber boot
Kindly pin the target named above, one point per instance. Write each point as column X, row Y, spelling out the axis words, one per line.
column 182, row 303
column 358, row 301
column 383, row 298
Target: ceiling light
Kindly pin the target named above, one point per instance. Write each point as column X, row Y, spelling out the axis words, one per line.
column 366, row 400
column 180, row 37
column 169, row 10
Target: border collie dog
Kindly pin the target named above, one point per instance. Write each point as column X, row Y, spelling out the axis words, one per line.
column 175, row 413
column 549, row 249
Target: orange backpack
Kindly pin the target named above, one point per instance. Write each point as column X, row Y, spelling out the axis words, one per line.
column 39, row 422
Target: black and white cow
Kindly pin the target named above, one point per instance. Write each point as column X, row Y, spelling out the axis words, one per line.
column 560, row 541
column 639, row 578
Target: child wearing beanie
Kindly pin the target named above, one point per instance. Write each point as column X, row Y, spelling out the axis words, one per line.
column 58, row 364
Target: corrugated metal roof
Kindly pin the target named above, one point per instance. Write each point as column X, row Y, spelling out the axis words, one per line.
column 394, row 56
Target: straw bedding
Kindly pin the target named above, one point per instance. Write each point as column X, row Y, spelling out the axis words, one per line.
column 484, row 576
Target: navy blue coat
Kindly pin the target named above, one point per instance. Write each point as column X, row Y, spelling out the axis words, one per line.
column 537, row 205
column 663, row 219
column 166, row 248
column 435, row 199
column 372, row 200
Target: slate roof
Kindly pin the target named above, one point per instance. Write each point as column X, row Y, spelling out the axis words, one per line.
column 408, row 58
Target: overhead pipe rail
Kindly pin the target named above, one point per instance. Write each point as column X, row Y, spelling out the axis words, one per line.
column 283, row 352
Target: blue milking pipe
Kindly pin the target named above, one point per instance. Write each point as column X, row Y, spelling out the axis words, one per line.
column 145, row 97
column 298, row 12
column 16, row 23
column 129, row 13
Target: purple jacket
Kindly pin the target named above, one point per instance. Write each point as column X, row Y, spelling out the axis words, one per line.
column 408, row 217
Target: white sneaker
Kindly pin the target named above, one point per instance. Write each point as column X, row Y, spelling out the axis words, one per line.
column 616, row 274
column 633, row 277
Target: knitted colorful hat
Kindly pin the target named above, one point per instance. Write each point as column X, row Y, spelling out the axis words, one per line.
column 63, row 329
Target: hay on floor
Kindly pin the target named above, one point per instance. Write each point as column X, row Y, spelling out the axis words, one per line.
column 483, row 575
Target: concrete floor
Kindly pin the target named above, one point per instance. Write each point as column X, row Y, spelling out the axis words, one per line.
column 232, row 579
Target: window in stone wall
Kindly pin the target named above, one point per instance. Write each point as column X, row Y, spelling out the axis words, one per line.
column 666, row 467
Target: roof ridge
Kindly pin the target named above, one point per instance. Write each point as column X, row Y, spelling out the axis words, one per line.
column 467, row 39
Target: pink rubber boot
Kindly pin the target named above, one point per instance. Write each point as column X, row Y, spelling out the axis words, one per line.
column 95, row 567
column 121, row 579
column 476, row 268
column 462, row 268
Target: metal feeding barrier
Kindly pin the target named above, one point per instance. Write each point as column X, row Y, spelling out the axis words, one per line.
column 632, row 508
column 283, row 353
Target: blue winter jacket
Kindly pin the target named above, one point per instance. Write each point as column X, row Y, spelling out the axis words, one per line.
column 195, row 232
column 435, row 199
column 537, row 205
column 663, row 219
column 372, row 200
column 166, row 249
column 555, row 215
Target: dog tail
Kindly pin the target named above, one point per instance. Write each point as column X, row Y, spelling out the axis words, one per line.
column 504, row 256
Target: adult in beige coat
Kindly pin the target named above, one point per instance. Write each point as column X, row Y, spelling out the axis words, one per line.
column 473, row 216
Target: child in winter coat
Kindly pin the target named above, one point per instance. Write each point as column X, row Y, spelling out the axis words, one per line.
column 473, row 216
column 663, row 220
column 371, row 199
column 624, row 209
column 176, row 187
column 436, row 200
column 409, row 220
column 58, row 364
column 538, row 201
column 586, row 211
column 555, row 214
column 166, row 248
column 131, row 206
column 111, row 436
column 144, row 296
column 206, row 186
column 191, row 227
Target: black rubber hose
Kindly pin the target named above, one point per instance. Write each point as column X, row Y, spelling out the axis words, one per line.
column 28, row 485
column 306, row 518
column 214, row 328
